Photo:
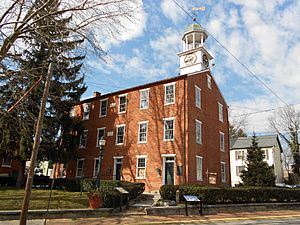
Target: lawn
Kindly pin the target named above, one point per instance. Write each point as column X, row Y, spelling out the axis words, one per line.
column 12, row 198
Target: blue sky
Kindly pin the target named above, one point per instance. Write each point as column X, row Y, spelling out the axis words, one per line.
column 262, row 34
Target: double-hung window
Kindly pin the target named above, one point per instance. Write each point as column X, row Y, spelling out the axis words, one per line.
column 239, row 155
column 199, row 169
column 209, row 81
column 122, row 103
column 169, row 93
column 144, row 99
column 223, row 172
column 86, row 111
column 120, row 134
column 6, row 162
column 222, row 142
column 83, row 139
column 239, row 170
column 198, row 132
column 198, row 97
column 96, row 166
column 79, row 168
column 141, row 167
column 100, row 135
column 103, row 107
column 169, row 126
column 143, row 130
column 220, row 110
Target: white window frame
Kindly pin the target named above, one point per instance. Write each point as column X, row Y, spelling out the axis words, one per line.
column 209, row 81
column 223, row 172
column 198, row 123
column 237, row 155
column 117, row 132
column 174, row 86
column 4, row 164
column 100, row 128
column 199, row 170
column 198, row 97
column 76, row 175
column 139, row 131
column 86, row 107
column 144, row 99
column 120, row 96
column 165, row 120
column 95, row 167
column 222, row 141
column 137, row 166
column 100, row 107
column 236, row 170
column 220, row 112
column 266, row 154
column 80, row 140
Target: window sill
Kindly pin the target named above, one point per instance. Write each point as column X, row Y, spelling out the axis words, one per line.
column 119, row 144
column 102, row 116
column 170, row 103
column 144, row 108
column 121, row 112
column 142, row 142
column 6, row 166
column 140, row 178
column 169, row 140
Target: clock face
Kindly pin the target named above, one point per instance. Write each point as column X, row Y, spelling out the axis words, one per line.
column 190, row 59
column 205, row 61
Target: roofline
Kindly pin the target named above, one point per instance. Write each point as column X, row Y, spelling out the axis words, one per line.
column 142, row 86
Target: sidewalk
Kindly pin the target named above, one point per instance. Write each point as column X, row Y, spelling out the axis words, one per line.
column 139, row 219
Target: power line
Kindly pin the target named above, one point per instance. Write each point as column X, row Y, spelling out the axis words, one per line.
column 230, row 53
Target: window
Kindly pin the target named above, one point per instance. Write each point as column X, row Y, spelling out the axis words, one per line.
column 144, row 99
column 141, row 167
column 239, row 170
column 120, row 134
column 83, row 139
column 169, row 129
column 79, row 168
column 199, row 168
column 223, row 171
column 169, row 93
column 103, row 107
column 222, row 142
column 143, row 129
column 198, row 96
column 198, row 132
column 6, row 162
column 239, row 155
column 122, row 103
column 100, row 134
column 86, row 111
column 220, row 109
column 209, row 81
column 96, row 165
column 266, row 154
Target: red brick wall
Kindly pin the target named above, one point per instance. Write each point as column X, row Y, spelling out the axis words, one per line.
column 211, row 126
column 156, row 146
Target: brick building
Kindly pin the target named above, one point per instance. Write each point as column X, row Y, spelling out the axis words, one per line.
column 171, row 131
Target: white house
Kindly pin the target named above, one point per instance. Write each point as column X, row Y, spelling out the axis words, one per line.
column 269, row 144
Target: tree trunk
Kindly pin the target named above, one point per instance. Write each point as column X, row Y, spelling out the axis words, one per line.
column 21, row 171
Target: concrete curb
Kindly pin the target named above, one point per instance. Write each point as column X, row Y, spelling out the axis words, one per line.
column 228, row 208
column 57, row 213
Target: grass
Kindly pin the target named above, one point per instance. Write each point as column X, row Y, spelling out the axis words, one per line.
column 12, row 198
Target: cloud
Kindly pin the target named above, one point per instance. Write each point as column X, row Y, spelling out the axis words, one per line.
column 172, row 11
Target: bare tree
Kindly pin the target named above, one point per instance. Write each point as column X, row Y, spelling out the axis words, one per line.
column 90, row 19
column 237, row 126
column 287, row 125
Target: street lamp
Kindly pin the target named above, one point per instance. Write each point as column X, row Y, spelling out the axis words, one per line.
column 101, row 150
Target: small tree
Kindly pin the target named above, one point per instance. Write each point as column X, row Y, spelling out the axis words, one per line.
column 258, row 173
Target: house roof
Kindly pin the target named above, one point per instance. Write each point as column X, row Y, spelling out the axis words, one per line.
column 263, row 142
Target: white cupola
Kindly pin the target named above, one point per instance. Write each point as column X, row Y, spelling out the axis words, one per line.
column 194, row 56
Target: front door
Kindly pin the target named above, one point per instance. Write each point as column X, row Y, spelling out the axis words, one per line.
column 169, row 170
column 118, row 169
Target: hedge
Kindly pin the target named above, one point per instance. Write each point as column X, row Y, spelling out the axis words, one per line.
column 111, row 197
column 211, row 195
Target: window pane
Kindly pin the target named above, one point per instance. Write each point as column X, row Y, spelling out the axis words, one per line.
column 169, row 129
column 122, row 103
column 103, row 108
column 198, row 132
column 169, row 94
column 144, row 99
column 199, row 168
column 198, row 97
column 120, row 135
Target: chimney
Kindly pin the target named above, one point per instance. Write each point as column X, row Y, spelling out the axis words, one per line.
column 96, row 94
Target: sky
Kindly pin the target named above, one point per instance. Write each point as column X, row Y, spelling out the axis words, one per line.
column 264, row 35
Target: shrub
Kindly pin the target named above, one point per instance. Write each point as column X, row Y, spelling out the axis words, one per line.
column 212, row 195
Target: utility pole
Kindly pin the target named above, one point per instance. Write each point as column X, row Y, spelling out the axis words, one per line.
column 35, row 148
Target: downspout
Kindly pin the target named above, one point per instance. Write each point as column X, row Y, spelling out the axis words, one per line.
column 184, row 128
